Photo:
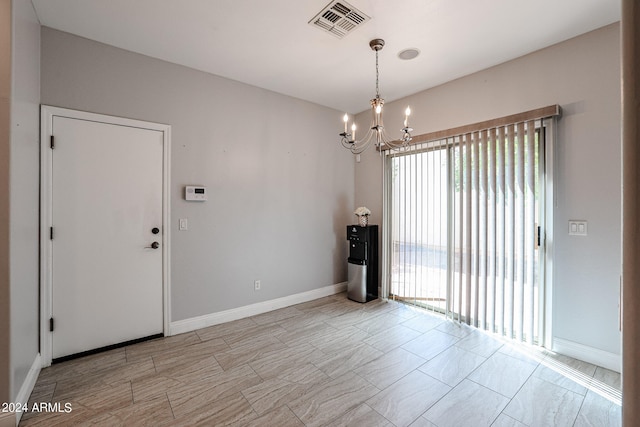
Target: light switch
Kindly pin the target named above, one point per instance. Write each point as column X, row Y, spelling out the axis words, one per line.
column 577, row 227
column 183, row 224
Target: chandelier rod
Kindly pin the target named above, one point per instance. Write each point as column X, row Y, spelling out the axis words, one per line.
column 377, row 77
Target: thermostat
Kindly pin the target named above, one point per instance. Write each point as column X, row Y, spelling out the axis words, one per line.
column 195, row 193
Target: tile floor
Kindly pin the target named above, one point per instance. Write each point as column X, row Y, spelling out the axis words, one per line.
column 329, row 362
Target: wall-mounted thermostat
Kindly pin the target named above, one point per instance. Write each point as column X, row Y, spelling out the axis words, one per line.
column 195, row 193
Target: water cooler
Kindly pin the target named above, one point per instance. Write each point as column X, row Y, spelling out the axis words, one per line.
column 362, row 263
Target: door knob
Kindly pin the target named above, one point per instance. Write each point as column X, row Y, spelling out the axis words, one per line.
column 155, row 230
column 154, row 245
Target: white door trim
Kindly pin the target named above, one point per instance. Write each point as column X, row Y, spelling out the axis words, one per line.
column 47, row 113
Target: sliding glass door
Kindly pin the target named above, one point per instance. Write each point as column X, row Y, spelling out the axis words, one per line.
column 419, row 221
column 465, row 217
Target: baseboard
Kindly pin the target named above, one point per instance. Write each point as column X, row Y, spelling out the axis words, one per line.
column 589, row 354
column 29, row 383
column 194, row 323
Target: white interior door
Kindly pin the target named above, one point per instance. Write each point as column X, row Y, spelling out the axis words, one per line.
column 106, row 199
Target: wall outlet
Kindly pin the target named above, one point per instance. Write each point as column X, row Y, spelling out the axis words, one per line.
column 256, row 285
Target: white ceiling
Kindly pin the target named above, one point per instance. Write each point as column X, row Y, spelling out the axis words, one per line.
column 269, row 43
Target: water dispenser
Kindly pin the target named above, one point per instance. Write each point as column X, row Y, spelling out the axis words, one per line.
column 362, row 285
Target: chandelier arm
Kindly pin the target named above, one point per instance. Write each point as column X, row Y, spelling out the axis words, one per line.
column 385, row 138
column 357, row 146
column 366, row 140
column 359, row 150
column 395, row 145
column 399, row 144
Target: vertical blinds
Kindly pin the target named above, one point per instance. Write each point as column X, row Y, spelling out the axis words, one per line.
column 462, row 216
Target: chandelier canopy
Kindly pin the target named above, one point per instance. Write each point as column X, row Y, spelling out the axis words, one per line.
column 376, row 131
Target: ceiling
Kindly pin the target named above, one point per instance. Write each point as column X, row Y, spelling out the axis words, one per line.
column 270, row 44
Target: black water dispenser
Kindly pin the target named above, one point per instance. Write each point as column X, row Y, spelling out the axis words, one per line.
column 362, row 285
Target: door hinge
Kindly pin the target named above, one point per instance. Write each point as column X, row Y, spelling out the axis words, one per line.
column 52, row 143
column 51, row 324
column 51, row 233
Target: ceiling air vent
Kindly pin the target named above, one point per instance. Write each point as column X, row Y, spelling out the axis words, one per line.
column 339, row 18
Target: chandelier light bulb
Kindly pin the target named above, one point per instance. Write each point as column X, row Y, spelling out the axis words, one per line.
column 345, row 119
column 407, row 113
column 353, row 131
column 378, row 108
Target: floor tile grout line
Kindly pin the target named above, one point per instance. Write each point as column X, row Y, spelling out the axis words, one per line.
column 487, row 359
column 562, row 387
column 508, row 416
column 487, row 388
column 434, row 403
column 575, row 419
column 251, row 406
column 382, row 415
column 294, row 414
column 170, row 405
column 490, row 389
column 131, row 391
column 518, row 391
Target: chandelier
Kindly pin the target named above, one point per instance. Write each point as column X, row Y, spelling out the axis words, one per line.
column 376, row 131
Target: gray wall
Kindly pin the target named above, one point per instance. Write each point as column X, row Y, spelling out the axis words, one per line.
column 5, row 142
column 280, row 186
column 25, row 183
column 583, row 76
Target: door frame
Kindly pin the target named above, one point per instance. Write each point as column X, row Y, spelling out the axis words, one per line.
column 47, row 114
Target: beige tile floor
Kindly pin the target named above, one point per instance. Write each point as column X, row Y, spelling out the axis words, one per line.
column 329, row 362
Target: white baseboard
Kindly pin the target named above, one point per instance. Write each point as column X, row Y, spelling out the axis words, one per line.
column 28, row 384
column 194, row 323
column 25, row 390
column 588, row 354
